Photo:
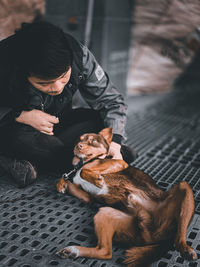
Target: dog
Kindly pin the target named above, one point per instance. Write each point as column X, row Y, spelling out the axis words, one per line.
column 138, row 212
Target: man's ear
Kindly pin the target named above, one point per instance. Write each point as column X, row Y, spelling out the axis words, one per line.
column 107, row 133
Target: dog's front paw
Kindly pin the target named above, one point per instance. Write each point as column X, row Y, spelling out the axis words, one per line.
column 61, row 186
column 71, row 252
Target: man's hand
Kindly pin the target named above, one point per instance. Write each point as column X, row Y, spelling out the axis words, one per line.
column 114, row 151
column 39, row 120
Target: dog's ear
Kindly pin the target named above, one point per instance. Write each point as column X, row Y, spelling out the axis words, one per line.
column 107, row 133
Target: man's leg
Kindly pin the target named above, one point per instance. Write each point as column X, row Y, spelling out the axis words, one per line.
column 46, row 152
column 54, row 153
column 22, row 171
column 78, row 122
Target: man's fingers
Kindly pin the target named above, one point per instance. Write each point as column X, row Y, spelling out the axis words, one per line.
column 47, row 130
column 53, row 119
column 49, row 133
column 114, row 150
column 49, row 118
column 117, row 156
column 49, row 125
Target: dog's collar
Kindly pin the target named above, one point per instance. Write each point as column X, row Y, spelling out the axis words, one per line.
column 70, row 175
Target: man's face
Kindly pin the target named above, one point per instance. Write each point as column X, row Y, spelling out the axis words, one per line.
column 51, row 87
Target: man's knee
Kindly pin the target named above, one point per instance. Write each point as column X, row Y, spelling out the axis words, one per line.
column 29, row 143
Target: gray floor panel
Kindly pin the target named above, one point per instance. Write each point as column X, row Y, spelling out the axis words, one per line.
column 37, row 221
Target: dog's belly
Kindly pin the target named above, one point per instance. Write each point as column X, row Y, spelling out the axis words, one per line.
column 89, row 187
column 134, row 198
column 143, row 202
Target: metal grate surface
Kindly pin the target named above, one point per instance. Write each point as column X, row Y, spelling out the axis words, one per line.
column 37, row 221
column 173, row 259
column 173, row 160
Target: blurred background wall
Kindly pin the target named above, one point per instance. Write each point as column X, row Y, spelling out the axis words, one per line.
column 104, row 26
column 143, row 45
column 160, row 45
column 14, row 12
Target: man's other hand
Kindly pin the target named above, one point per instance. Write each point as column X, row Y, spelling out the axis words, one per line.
column 39, row 120
column 114, row 151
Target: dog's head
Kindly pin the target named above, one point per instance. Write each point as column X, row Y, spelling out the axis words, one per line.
column 92, row 146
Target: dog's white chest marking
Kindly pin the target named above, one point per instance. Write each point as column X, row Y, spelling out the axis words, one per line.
column 88, row 187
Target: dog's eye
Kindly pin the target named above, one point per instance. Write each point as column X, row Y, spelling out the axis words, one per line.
column 85, row 138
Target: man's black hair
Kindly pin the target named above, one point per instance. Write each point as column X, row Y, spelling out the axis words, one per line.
column 42, row 50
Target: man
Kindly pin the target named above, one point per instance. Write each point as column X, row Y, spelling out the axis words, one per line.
column 41, row 68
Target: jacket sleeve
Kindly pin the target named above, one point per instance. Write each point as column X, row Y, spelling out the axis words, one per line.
column 6, row 116
column 7, row 107
column 100, row 94
column 7, row 112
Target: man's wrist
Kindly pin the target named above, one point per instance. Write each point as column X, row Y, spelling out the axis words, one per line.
column 117, row 138
column 17, row 114
column 115, row 150
column 21, row 116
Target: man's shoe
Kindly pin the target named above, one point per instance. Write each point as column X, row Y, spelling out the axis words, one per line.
column 128, row 154
column 22, row 171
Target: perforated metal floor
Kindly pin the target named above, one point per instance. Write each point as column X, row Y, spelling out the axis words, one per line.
column 170, row 158
column 37, row 221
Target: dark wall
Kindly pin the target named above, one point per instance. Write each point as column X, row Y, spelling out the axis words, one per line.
column 110, row 31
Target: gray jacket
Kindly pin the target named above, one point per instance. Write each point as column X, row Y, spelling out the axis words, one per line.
column 87, row 76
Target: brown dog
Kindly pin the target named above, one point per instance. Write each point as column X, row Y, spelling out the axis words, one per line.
column 146, row 217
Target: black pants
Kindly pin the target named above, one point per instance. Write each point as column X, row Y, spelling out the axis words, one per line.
column 53, row 153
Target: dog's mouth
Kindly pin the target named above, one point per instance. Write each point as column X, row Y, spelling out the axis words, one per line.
column 82, row 156
column 86, row 157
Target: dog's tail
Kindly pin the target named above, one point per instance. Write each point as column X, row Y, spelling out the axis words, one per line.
column 144, row 256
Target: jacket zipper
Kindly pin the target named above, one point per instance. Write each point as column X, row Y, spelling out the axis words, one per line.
column 42, row 106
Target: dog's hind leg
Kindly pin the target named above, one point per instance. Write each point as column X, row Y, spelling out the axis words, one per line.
column 184, row 217
column 107, row 221
column 180, row 204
